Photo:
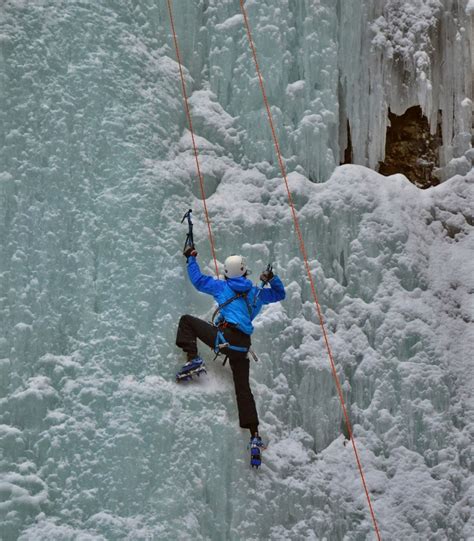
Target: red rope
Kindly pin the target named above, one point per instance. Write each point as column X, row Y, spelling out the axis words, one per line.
column 190, row 123
column 308, row 270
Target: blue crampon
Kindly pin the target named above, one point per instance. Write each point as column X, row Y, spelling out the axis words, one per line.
column 256, row 446
column 195, row 367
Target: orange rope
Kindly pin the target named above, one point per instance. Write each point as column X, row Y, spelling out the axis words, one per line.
column 190, row 122
column 308, row 270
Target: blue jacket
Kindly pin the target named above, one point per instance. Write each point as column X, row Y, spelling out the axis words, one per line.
column 237, row 311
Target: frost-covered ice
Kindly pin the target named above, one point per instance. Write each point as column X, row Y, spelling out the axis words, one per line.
column 97, row 442
column 332, row 64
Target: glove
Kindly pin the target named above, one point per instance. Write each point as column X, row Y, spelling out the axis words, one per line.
column 190, row 251
column 266, row 276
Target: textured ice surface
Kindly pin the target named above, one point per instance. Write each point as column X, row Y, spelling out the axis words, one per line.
column 96, row 440
column 330, row 64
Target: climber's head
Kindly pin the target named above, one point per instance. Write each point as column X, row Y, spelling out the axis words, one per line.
column 235, row 266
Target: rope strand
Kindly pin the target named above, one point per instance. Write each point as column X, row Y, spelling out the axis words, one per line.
column 308, row 270
column 190, row 123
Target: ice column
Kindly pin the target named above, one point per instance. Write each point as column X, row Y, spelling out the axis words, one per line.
column 394, row 55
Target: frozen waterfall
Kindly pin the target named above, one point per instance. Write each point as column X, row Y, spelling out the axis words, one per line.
column 97, row 442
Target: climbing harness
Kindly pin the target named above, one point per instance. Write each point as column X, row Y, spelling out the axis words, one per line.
column 221, row 324
column 308, row 269
column 227, row 302
column 221, row 343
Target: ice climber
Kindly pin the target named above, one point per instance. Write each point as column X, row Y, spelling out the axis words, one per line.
column 238, row 303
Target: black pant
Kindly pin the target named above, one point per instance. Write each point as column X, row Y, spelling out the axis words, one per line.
column 190, row 328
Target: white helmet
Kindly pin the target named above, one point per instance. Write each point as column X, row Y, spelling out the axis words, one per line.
column 235, row 266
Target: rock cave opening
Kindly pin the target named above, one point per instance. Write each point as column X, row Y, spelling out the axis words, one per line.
column 411, row 149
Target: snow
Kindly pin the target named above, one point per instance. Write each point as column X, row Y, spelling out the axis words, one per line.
column 97, row 440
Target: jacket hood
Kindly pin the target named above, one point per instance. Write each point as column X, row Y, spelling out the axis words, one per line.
column 240, row 284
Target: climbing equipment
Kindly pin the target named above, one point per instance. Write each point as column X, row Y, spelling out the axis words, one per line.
column 195, row 367
column 222, row 343
column 189, row 236
column 222, row 324
column 256, row 446
column 297, row 229
column 308, row 270
column 190, row 123
column 262, row 284
column 235, row 266
column 269, row 272
column 228, row 301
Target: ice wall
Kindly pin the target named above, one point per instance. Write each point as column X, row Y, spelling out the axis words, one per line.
column 97, row 441
column 329, row 65
column 424, row 50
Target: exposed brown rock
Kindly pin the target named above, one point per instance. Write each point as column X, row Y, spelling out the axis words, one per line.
column 411, row 149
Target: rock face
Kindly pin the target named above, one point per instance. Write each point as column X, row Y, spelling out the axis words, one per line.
column 411, row 149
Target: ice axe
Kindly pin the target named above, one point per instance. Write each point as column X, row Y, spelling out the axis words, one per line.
column 260, row 287
column 189, row 236
column 262, row 284
column 268, row 269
